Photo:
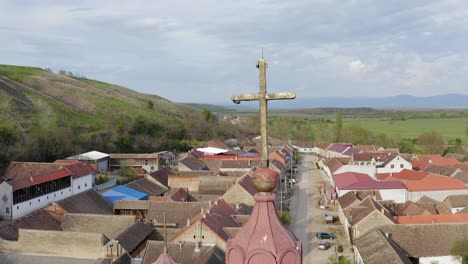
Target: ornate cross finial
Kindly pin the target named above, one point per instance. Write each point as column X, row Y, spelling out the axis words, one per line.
column 165, row 234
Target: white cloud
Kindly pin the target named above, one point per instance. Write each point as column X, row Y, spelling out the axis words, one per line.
column 427, row 33
column 357, row 66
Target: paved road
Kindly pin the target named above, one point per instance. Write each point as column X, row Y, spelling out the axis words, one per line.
column 307, row 217
column 299, row 207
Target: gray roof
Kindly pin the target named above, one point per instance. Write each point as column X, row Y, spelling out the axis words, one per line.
column 21, row 258
column 193, row 164
column 348, row 199
column 359, row 211
column 148, row 187
column 460, row 200
column 375, row 248
column 88, row 202
column 133, row 236
column 176, row 212
column 109, row 225
column 439, row 169
column 38, row 220
column 132, row 205
column 427, row 240
column 183, row 253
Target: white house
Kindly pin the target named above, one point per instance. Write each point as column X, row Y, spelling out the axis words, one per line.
column 101, row 160
column 28, row 186
column 394, row 163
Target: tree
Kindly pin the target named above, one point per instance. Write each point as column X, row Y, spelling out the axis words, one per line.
column 431, row 143
column 459, row 250
column 339, row 127
column 206, row 114
column 150, row 104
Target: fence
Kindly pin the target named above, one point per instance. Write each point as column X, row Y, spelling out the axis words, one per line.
column 110, row 183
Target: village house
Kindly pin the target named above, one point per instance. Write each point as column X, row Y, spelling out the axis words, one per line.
column 305, row 147
column 364, row 216
column 100, row 160
column 146, row 161
column 351, row 181
column 241, row 192
column 428, row 243
column 28, row 186
column 456, row 203
column 394, row 163
column 336, row 150
column 210, row 229
column 184, row 253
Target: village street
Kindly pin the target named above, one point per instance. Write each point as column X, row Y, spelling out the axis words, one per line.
column 307, row 217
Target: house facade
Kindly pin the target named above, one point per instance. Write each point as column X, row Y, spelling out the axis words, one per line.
column 28, row 186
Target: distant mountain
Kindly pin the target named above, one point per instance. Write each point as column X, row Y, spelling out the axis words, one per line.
column 399, row 101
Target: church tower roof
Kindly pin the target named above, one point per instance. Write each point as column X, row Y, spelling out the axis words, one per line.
column 264, row 238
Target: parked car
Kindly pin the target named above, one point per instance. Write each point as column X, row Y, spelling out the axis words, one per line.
column 324, row 245
column 324, row 235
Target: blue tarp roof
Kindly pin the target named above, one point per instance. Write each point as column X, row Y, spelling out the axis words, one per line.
column 249, row 154
column 123, row 193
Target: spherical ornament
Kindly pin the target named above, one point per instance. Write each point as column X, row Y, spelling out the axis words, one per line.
column 265, row 180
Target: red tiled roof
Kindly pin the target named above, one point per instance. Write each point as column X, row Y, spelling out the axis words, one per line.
column 247, row 183
column 361, row 181
column 405, row 174
column 434, row 182
column 39, row 178
column 179, row 194
column 339, row 147
column 429, row 219
column 79, row 169
column 421, row 161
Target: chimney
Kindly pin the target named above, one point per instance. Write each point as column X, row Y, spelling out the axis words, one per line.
column 388, row 235
column 189, row 222
column 382, row 210
column 31, row 178
column 237, row 206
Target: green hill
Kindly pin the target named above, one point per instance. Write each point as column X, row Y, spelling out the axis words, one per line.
column 45, row 116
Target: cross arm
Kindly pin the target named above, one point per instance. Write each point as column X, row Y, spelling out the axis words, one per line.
column 237, row 98
column 280, row 96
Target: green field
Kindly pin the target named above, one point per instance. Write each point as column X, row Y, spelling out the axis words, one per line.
column 449, row 128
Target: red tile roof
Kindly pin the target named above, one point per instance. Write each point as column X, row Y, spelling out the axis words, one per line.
column 80, row 169
column 421, row 161
column 39, row 178
column 361, row 181
column 405, row 174
column 434, row 182
column 339, row 147
column 430, row 219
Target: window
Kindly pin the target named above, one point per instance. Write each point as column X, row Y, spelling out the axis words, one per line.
column 79, row 187
column 61, row 192
column 392, row 166
column 55, row 195
column 17, row 207
column 47, row 197
column 401, row 166
column 146, row 162
column 39, row 200
column 85, row 185
column 7, row 210
column 152, row 167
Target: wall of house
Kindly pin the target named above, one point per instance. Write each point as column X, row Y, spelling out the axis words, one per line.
column 82, row 184
column 6, row 200
column 333, row 154
column 102, row 164
column 26, row 207
column 237, row 194
column 373, row 220
column 357, row 256
column 369, row 170
column 182, row 167
column 398, row 164
column 436, row 195
column 397, row 195
column 441, row 260
column 150, row 168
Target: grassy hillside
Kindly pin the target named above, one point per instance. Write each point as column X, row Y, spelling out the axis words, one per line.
column 46, row 116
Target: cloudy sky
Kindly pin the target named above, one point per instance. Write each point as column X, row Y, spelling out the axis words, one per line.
column 204, row 51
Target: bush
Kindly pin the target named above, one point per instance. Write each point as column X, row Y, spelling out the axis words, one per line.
column 101, row 178
column 285, row 217
column 339, row 248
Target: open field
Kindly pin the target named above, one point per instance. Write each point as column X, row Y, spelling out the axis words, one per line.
column 449, row 128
